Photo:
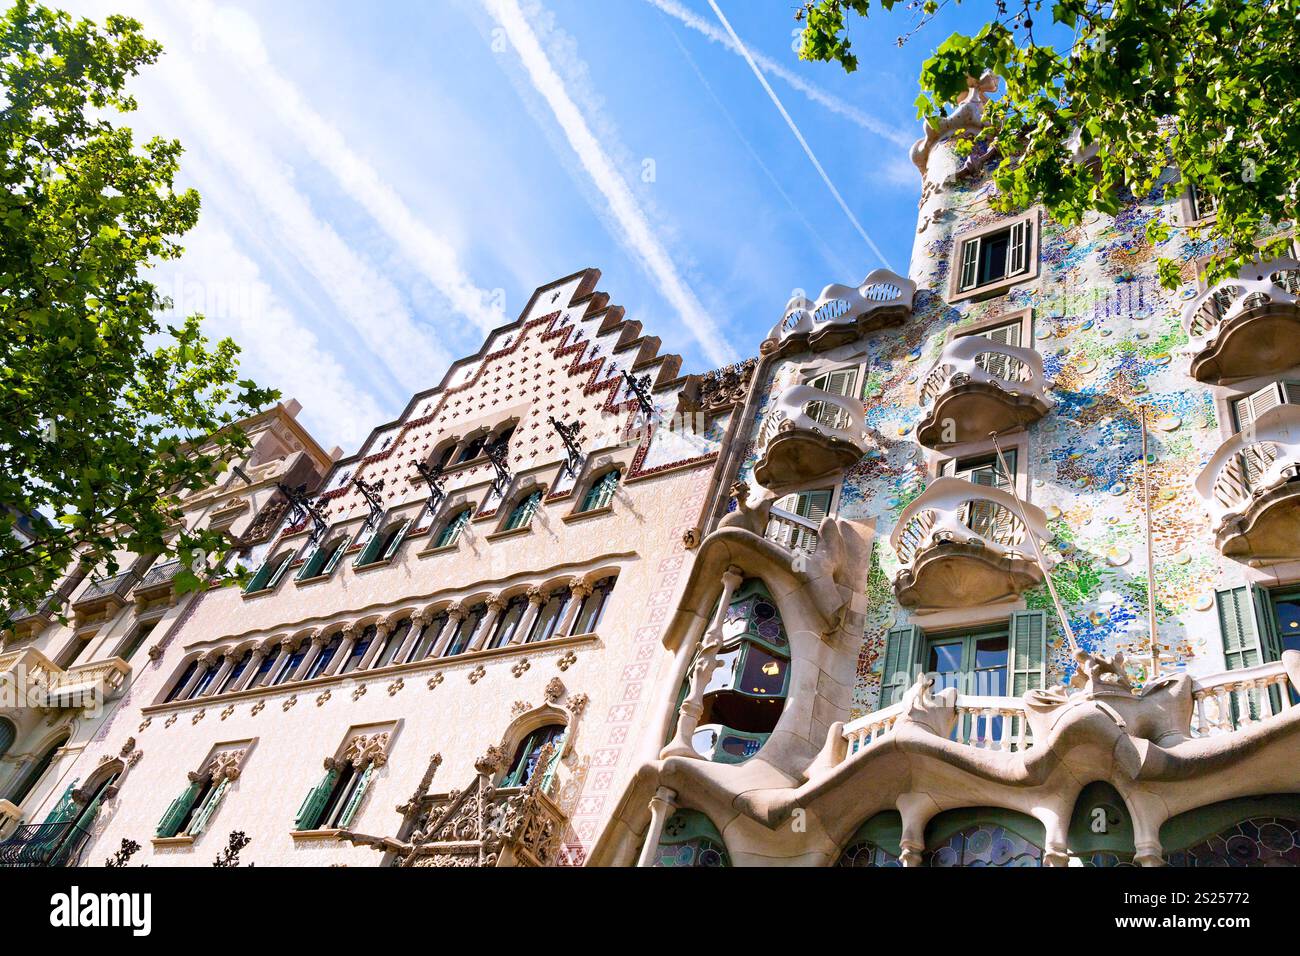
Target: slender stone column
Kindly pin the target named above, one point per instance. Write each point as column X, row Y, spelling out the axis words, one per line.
column 706, row 662
column 381, row 631
column 418, row 621
column 662, row 805
column 495, row 606
column 455, row 614
column 578, row 590
column 916, row 809
column 318, row 640
column 250, row 671
column 345, row 648
column 536, row 598
column 228, row 661
column 207, row 660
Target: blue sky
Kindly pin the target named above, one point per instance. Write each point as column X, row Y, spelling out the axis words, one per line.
column 383, row 182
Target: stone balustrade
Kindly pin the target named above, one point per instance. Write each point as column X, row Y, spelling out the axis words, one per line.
column 1232, row 700
column 842, row 313
column 983, row 722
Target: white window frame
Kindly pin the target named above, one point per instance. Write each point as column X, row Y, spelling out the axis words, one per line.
column 1027, row 269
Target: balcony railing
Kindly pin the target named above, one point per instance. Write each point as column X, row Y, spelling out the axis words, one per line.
column 808, row 433
column 1248, row 325
column 1251, row 490
column 91, row 682
column 158, row 578
column 984, row 723
column 962, row 544
column 791, row 531
column 115, row 588
column 882, row 296
column 43, row 844
column 978, row 386
column 1227, row 702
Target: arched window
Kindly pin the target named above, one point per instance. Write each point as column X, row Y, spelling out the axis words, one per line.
column 522, row 515
column 38, row 770
column 601, row 492
column 8, row 733
column 236, row 672
column 473, row 448
column 181, row 681
column 326, row 655
column 269, row 575
column 503, row 437
column 468, row 625
column 592, row 608
column 422, row 646
column 450, row 532
column 263, row 669
column 690, row 839
column 746, row 694
column 529, row 752
column 325, row 558
column 441, row 456
column 876, row 843
column 384, row 544
column 359, row 648
column 205, row 679
column 983, row 837
column 393, row 643
column 508, row 623
column 550, row 615
column 1246, row 832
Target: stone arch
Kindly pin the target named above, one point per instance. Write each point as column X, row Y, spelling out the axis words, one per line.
column 1101, row 831
column 691, row 839
column 876, row 843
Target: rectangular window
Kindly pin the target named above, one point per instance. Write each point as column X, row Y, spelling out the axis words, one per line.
column 995, row 363
column 1255, row 460
column 1202, row 204
column 843, row 382
column 996, row 256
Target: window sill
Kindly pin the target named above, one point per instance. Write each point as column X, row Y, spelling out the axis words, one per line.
column 254, row 595
column 371, row 565
column 992, row 289
column 511, row 532
column 591, row 513
column 314, row 836
column 443, row 549
column 314, row 579
column 176, row 841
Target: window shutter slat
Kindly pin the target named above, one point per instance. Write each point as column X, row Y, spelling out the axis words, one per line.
column 902, row 657
column 309, row 812
column 200, row 822
column 171, row 820
column 279, row 571
column 337, row 556
column 969, row 259
column 1018, row 248
column 397, row 540
column 1241, row 645
column 1028, row 651
column 354, row 802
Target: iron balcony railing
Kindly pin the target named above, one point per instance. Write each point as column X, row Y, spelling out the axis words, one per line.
column 42, row 845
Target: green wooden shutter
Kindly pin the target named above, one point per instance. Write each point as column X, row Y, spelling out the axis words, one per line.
column 200, row 822
column 1018, row 249
column 903, row 649
column 969, row 260
column 354, row 801
column 279, row 571
column 397, row 540
column 337, row 556
column 1028, row 652
column 309, row 813
column 171, row 820
column 1241, row 644
column 65, row 809
column 553, row 764
column 258, row 581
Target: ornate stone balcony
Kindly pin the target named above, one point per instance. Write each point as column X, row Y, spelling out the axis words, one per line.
column 1251, row 489
column 88, row 684
column 963, row 544
column 978, row 386
column 807, row 434
column 841, row 314
column 157, row 581
column 1247, row 326
column 106, row 593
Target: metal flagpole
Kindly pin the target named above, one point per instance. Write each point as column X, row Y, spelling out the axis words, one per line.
column 1151, row 565
column 1038, row 550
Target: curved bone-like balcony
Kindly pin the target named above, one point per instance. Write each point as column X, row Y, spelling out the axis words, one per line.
column 1251, row 488
column 809, row 433
column 1246, row 326
column 843, row 313
column 963, row 544
column 978, row 386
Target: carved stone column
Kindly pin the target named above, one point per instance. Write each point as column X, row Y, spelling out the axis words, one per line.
column 662, row 805
column 318, row 640
column 455, row 614
column 706, row 662
column 494, row 608
column 916, row 809
column 207, row 660
column 536, row 598
column 228, row 661
column 345, row 648
column 578, row 591
column 250, row 671
column 382, row 631
column 418, row 622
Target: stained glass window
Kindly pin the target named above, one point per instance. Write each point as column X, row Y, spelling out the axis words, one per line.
column 1258, row 841
column 691, row 839
column 985, row 845
column 866, row 853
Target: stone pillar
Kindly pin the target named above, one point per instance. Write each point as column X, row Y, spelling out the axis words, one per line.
column 318, row 640
column 1056, row 844
column 381, row 631
column 536, row 598
column 228, row 661
column 287, row 646
column 250, row 672
column 418, row 621
column 1148, row 814
column 706, row 662
column 207, row 660
column 345, row 648
column 455, row 614
column 916, row 810
column 494, row 608
column 662, row 805
column 578, row 589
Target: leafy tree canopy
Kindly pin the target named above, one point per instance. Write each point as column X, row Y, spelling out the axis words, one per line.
column 105, row 414
column 1209, row 86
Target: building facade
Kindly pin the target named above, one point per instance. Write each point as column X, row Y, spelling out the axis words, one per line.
column 879, row 596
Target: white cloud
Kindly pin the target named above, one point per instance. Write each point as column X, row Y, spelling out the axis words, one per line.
column 633, row 225
column 768, row 65
column 431, row 254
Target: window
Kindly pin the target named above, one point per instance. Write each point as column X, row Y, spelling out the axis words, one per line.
column 995, row 363
column 844, row 383
column 383, row 544
column 359, row 648
column 690, row 840
column 289, row 665
column 190, row 812
column 422, row 646
column 37, row 771
column 205, row 679
column 508, row 623
column 450, row 532
column 993, row 258
column 465, row 631
column 601, row 492
column 592, row 608
column 182, row 681
column 550, row 615
column 442, row 456
column 268, row 576
column 529, row 752
column 236, row 672
column 473, row 448
column 8, row 733
column 264, row 668
column 1256, row 625
column 522, row 515
column 988, row 519
column 334, row 801
column 393, row 643
column 326, row 655
column 746, row 694
column 75, row 647
column 1256, row 459
column 325, row 558
column 1200, row 204
column 794, row 520
column 137, row 638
